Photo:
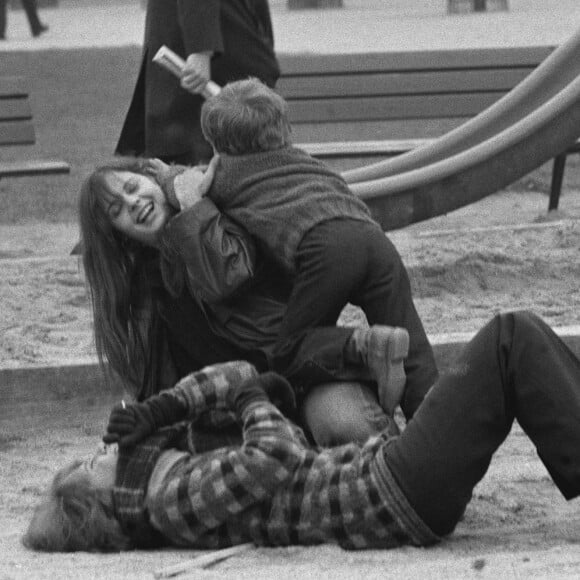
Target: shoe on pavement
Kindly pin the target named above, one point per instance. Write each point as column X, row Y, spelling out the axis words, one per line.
column 40, row 30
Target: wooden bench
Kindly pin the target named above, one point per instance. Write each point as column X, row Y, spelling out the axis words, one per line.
column 16, row 128
column 385, row 104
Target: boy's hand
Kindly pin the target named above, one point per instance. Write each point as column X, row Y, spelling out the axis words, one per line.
column 193, row 184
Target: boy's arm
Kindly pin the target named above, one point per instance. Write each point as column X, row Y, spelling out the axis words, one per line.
column 183, row 186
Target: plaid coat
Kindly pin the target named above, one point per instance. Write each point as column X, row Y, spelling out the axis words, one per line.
column 273, row 489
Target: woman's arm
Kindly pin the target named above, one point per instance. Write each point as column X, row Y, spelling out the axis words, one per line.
column 215, row 255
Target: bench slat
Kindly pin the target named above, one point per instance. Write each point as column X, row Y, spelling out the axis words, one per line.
column 16, row 128
column 408, row 107
column 304, row 64
column 15, row 109
column 13, row 87
column 31, row 168
column 340, row 86
column 20, row 133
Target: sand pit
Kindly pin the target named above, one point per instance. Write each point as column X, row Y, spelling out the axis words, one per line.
column 500, row 254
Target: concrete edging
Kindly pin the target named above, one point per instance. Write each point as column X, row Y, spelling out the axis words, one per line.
column 65, row 393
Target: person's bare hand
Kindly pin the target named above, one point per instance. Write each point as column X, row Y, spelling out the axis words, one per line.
column 196, row 72
column 194, row 183
column 157, row 169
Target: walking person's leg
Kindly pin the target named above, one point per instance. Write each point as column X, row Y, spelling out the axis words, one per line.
column 36, row 26
column 516, row 367
column 3, row 10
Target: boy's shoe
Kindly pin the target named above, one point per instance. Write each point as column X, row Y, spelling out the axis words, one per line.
column 387, row 348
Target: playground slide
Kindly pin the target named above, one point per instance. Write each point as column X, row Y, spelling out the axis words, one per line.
column 530, row 125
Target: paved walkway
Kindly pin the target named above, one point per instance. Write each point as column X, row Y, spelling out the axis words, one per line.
column 362, row 26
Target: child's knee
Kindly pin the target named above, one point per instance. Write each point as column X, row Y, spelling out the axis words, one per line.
column 338, row 413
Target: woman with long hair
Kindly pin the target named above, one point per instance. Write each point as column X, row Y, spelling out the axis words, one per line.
column 175, row 286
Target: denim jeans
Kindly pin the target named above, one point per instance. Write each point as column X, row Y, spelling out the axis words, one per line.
column 516, row 367
column 337, row 413
column 344, row 260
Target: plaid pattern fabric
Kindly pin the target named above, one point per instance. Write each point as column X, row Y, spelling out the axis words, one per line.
column 134, row 469
column 207, row 395
column 203, row 394
column 273, row 489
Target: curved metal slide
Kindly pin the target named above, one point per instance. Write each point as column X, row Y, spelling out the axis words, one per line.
column 533, row 123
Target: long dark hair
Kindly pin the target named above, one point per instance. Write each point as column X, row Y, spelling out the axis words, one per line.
column 121, row 276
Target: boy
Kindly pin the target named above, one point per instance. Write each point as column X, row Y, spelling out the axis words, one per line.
column 304, row 216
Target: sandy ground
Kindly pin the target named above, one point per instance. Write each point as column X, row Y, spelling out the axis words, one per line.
column 499, row 254
column 502, row 253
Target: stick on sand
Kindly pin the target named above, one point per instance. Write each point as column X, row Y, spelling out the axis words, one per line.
column 201, row 561
column 174, row 64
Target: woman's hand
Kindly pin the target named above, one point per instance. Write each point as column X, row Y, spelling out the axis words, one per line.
column 192, row 185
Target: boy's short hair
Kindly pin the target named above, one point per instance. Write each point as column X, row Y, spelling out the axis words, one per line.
column 246, row 117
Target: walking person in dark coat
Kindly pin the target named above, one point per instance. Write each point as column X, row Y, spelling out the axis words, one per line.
column 36, row 26
column 233, row 39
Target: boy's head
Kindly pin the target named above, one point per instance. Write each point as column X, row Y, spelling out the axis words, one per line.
column 246, row 117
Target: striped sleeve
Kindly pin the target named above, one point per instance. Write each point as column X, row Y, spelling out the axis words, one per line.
column 211, row 389
column 215, row 488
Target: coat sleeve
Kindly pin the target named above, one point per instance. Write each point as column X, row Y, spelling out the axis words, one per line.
column 211, row 388
column 217, row 488
column 214, row 255
column 200, row 24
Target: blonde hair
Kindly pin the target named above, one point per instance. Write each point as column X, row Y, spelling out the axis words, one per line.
column 74, row 518
column 246, row 117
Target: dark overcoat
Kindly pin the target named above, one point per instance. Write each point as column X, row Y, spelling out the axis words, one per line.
column 163, row 119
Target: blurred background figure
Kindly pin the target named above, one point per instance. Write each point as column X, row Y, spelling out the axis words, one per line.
column 36, row 26
column 229, row 39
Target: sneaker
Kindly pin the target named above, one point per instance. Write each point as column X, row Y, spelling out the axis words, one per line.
column 387, row 348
